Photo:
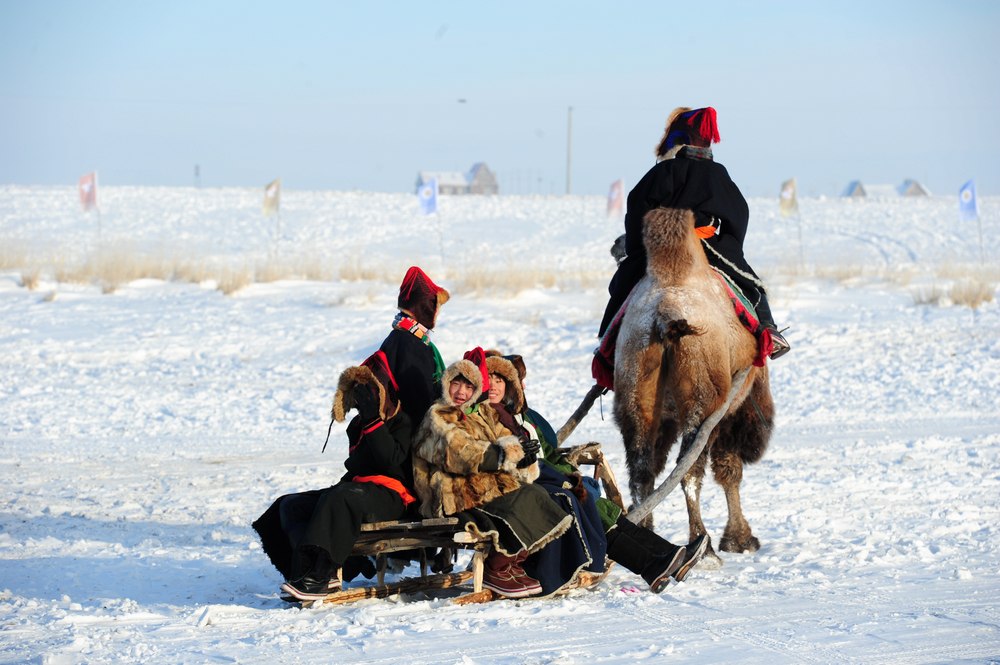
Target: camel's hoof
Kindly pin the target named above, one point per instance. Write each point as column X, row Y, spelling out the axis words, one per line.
column 710, row 561
column 751, row 544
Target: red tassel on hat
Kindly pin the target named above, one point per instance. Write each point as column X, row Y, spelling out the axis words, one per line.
column 705, row 123
column 478, row 358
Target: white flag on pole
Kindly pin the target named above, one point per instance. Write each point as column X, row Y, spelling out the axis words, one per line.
column 968, row 207
column 429, row 197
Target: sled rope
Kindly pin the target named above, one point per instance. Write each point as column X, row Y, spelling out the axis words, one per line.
column 684, row 464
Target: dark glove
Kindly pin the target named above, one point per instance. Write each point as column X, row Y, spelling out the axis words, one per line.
column 530, row 446
column 367, row 402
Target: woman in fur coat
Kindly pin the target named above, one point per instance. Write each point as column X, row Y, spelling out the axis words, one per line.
column 468, row 465
column 602, row 525
column 687, row 177
column 309, row 535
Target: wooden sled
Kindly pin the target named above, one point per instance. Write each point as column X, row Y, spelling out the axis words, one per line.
column 381, row 538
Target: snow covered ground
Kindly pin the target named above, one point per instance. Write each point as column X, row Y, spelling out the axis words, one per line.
column 142, row 432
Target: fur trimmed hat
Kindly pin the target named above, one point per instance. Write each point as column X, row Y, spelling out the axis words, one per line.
column 505, row 369
column 421, row 298
column 467, row 370
column 372, row 372
column 685, row 123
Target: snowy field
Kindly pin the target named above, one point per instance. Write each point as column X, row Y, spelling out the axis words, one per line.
column 142, row 432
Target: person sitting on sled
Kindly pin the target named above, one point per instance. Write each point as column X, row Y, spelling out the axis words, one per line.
column 412, row 356
column 603, row 528
column 468, row 465
column 309, row 535
column 686, row 177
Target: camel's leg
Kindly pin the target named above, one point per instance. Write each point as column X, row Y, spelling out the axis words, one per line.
column 691, row 484
column 637, row 412
column 728, row 471
column 742, row 439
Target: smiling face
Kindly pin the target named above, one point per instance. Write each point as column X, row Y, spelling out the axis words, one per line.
column 460, row 391
column 498, row 388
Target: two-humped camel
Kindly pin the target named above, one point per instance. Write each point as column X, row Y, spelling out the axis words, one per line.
column 679, row 346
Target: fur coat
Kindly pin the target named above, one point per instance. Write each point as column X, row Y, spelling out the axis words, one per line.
column 464, row 457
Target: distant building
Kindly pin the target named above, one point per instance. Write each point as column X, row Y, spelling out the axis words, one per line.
column 479, row 180
column 913, row 188
column 856, row 190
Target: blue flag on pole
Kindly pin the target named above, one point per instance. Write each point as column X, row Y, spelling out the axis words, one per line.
column 968, row 207
column 429, row 197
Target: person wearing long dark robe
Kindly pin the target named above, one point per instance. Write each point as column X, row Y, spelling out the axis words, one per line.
column 687, row 177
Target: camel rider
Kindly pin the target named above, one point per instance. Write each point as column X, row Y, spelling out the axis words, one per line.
column 686, row 177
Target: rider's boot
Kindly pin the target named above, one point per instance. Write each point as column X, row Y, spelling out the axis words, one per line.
column 781, row 345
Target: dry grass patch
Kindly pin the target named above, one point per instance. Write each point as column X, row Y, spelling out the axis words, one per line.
column 482, row 281
column 927, row 295
column 231, row 280
column 30, row 277
column 972, row 292
column 840, row 272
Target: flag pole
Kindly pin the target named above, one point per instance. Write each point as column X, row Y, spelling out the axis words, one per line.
column 569, row 152
column 99, row 243
column 802, row 256
column 982, row 254
column 277, row 240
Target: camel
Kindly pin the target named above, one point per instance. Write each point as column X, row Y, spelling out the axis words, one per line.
column 679, row 346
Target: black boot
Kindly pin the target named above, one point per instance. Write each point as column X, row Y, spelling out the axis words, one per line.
column 656, row 569
column 646, row 537
column 316, row 582
column 695, row 550
column 763, row 308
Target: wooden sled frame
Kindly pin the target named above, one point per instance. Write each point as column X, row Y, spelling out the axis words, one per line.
column 381, row 538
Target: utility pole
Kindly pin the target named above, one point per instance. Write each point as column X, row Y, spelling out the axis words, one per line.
column 569, row 154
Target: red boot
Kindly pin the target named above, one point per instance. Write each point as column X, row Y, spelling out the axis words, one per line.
column 504, row 575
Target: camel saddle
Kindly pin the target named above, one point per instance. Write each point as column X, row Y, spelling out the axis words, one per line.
column 603, row 365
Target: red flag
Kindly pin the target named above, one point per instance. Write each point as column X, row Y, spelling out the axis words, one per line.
column 88, row 191
column 616, row 198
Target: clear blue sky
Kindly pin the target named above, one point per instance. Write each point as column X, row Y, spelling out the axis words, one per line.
column 363, row 95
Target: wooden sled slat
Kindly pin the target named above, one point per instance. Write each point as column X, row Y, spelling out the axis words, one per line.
column 410, row 585
column 410, row 524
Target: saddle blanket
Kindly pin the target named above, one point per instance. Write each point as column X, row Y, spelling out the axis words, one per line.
column 603, row 365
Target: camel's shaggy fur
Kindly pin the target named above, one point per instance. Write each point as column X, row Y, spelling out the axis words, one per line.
column 679, row 346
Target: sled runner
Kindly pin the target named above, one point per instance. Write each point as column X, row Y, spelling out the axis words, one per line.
column 382, row 538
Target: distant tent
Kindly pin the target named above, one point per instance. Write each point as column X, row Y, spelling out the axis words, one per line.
column 909, row 188
column 913, row 188
column 479, row 180
column 855, row 190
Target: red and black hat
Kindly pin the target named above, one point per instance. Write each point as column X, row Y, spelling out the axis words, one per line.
column 420, row 298
column 686, row 124
column 372, row 372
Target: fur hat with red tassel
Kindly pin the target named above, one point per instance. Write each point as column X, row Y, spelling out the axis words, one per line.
column 421, row 298
column 686, row 126
column 372, row 372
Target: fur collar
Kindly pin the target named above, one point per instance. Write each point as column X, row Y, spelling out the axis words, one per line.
column 690, row 152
